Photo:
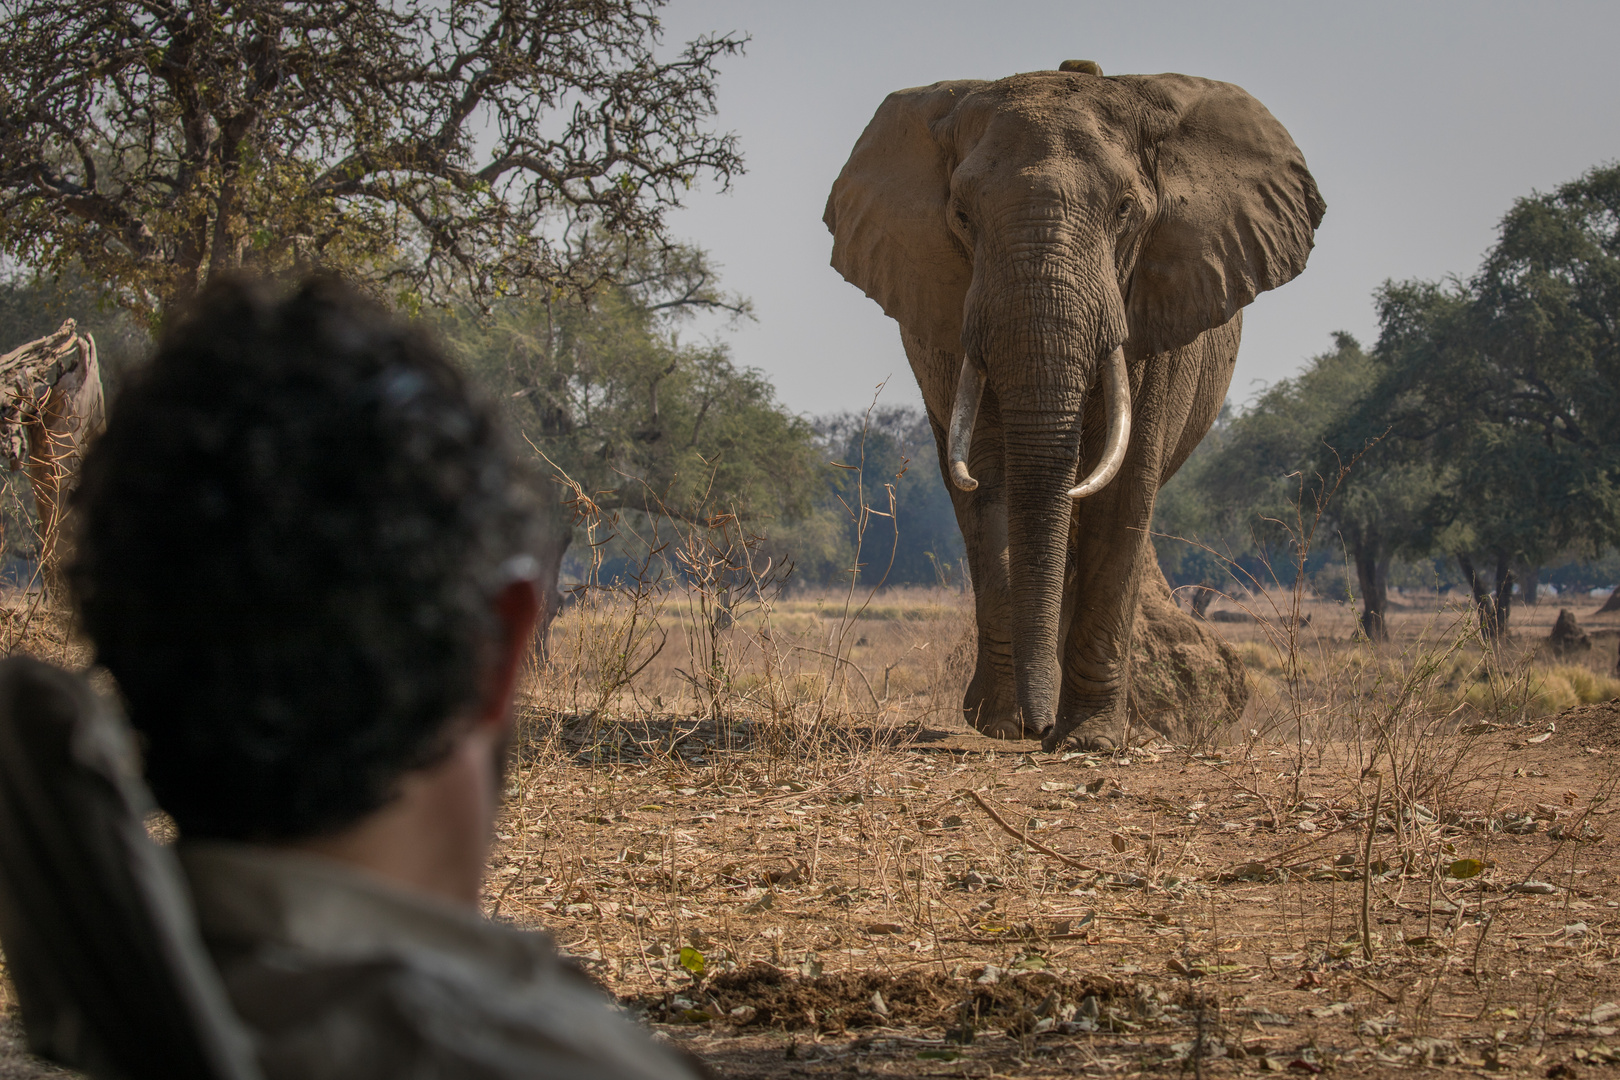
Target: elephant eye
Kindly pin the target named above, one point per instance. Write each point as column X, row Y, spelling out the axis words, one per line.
column 962, row 219
column 1126, row 205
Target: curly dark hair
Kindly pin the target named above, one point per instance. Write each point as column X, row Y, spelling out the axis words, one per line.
column 289, row 540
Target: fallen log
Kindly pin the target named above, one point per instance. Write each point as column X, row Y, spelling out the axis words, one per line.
column 51, row 406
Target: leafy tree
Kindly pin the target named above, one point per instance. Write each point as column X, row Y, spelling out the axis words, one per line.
column 1297, row 467
column 432, row 147
column 643, row 422
column 1377, row 493
column 1196, row 541
column 1512, row 379
column 1485, row 424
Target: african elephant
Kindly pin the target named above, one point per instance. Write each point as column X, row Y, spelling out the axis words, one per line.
column 1067, row 255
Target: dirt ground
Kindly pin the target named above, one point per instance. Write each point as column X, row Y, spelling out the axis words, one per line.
column 1425, row 889
column 889, row 918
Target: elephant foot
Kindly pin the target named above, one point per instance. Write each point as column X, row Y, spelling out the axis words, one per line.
column 1091, row 727
column 991, row 707
column 1087, row 742
column 1008, row 729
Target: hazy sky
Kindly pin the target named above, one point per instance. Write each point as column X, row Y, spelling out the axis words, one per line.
column 1421, row 121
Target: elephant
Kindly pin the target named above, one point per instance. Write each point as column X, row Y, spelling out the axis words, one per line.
column 1067, row 255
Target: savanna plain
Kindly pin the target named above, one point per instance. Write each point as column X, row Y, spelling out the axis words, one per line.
column 760, row 822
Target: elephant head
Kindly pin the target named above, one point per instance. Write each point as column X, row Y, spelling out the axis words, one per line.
column 1056, row 231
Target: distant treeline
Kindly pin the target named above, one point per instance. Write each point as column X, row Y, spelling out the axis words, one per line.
column 654, row 424
column 1476, row 444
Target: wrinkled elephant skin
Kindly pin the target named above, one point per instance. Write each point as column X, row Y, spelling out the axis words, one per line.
column 1067, row 256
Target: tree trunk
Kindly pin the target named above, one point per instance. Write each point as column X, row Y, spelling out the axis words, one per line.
column 1493, row 610
column 1372, row 573
column 1504, row 595
column 1203, row 596
column 52, row 392
column 556, row 533
column 1529, row 583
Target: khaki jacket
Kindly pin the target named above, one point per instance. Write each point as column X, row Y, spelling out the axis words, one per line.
column 341, row 975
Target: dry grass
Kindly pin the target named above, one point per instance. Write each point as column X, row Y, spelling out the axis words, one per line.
column 1338, row 882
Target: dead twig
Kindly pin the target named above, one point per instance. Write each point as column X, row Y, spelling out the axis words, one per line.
column 1307, row 845
column 1393, row 999
column 847, row 662
column 1024, row 838
column 1367, row 874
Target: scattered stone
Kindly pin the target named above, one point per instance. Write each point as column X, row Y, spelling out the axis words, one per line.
column 1433, row 1051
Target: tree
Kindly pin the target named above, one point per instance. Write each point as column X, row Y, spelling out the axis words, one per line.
column 1376, row 493
column 644, row 423
column 1485, row 424
column 1196, row 541
column 1512, row 379
column 1297, row 466
column 890, row 447
column 431, row 148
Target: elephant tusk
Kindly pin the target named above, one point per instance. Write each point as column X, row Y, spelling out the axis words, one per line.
column 969, row 389
column 1116, row 390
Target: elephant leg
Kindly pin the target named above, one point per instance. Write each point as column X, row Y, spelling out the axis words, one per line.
column 1105, row 581
column 991, row 702
column 1125, row 643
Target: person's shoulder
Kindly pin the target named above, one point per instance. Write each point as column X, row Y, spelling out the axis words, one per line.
column 343, row 975
column 412, row 1016
column 424, row 1013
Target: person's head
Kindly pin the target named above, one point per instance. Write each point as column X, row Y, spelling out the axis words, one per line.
column 292, row 540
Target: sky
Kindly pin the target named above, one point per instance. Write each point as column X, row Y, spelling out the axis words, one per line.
column 1422, row 121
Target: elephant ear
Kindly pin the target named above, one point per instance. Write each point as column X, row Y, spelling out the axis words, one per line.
column 887, row 215
column 1237, row 212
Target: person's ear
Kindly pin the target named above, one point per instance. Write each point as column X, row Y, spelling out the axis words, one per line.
column 517, row 607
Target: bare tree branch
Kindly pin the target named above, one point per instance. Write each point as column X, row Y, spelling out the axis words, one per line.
column 437, row 150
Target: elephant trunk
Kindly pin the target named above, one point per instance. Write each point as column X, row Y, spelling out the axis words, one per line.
column 1041, row 448
column 1043, row 350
